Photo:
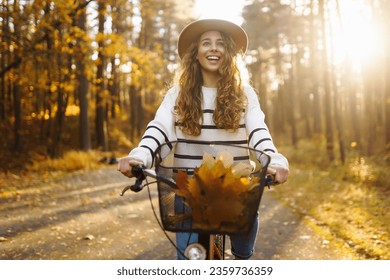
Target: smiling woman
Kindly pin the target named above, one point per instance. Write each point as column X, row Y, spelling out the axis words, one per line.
column 222, row 9
column 208, row 103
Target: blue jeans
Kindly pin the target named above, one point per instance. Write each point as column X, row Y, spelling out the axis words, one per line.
column 242, row 245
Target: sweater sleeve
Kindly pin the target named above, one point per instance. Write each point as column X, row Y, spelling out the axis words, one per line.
column 159, row 131
column 259, row 136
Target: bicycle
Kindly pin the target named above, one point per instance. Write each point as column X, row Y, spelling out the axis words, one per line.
column 175, row 213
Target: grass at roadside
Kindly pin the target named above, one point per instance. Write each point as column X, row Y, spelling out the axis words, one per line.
column 45, row 169
column 21, row 169
column 350, row 201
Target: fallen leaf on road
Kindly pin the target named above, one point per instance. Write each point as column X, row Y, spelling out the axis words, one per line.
column 325, row 242
column 89, row 237
column 304, row 237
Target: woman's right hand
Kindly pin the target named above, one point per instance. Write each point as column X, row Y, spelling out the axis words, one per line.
column 125, row 165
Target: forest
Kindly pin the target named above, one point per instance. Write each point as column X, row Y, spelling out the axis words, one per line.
column 78, row 74
column 86, row 76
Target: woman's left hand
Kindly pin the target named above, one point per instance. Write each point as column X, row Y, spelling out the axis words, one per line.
column 279, row 172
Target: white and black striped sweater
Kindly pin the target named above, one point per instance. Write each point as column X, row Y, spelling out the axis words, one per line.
column 188, row 151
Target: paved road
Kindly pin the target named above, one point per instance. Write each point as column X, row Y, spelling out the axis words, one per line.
column 82, row 216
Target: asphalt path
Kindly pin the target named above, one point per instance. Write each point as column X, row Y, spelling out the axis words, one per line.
column 82, row 217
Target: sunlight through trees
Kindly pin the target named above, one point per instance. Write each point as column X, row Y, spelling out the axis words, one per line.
column 71, row 72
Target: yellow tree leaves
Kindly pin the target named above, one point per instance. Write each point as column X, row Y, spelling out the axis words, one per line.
column 220, row 193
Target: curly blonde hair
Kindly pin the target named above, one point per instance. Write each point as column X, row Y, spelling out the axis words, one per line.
column 230, row 100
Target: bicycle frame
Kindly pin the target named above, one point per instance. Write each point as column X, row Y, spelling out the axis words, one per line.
column 216, row 245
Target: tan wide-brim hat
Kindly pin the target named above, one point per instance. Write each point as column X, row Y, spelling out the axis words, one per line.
column 192, row 31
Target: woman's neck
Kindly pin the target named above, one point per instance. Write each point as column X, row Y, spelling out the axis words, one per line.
column 210, row 79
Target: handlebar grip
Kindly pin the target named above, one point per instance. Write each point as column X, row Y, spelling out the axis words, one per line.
column 270, row 180
column 138, row 172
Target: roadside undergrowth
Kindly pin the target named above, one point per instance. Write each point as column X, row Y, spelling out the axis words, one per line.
column 41, row 169
column 350, row 201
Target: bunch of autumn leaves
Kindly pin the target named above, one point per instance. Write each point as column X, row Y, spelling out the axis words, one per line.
column 221, row 194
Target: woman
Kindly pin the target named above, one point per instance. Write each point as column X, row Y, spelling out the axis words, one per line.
column 209, row 102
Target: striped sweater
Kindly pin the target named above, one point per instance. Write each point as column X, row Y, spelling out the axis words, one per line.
column 189, row 150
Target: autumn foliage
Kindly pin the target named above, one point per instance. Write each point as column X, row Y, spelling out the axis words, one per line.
column 223, row 196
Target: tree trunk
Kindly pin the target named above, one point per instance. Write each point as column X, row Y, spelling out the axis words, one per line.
column 369, row 126
column 328, row 95
column 292, row 97
column 114, row 89
column 387, row 103
column 132, row 109
column 280, row 106
column 101, row 130
column 337, row 98
column 314, row 71
column 16, row 91
column 17, row 115
column 83, row 88
column 354, row 114
column 385, row 19
column 6, row 40
column 62, row 103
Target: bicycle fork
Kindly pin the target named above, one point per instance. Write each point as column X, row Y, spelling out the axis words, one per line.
column 209, row 247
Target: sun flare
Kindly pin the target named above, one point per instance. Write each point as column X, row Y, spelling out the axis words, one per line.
column 221, row 9
column 355, row 38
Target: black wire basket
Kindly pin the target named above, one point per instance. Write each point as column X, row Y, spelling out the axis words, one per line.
column 192, row 200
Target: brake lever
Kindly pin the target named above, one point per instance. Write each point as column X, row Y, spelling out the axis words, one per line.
column 137, row 187
column 269, row 181
column 124, row 190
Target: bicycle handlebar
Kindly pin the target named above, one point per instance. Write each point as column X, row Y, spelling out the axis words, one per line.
column 140, row 172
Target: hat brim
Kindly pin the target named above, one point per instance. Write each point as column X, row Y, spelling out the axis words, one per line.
column 192, row 31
